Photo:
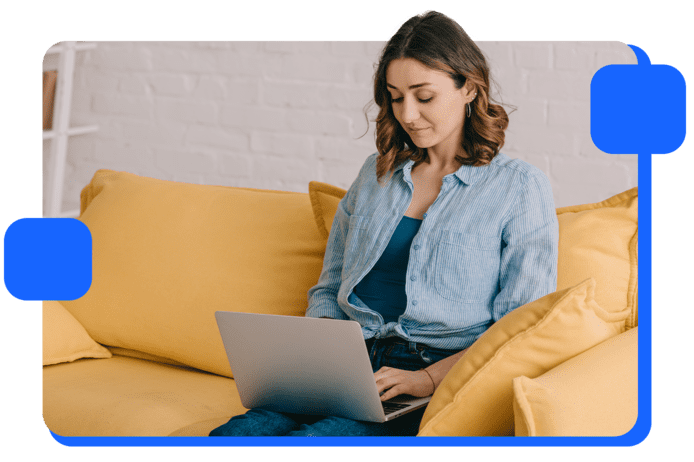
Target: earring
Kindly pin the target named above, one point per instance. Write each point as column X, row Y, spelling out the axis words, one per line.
column 469, row 109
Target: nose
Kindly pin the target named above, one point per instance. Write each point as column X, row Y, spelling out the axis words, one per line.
column 410, row 111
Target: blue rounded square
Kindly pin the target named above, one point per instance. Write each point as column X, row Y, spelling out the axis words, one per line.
column 637, row 109
column 48, row 259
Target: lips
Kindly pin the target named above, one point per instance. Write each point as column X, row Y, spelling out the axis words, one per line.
column 415, row 130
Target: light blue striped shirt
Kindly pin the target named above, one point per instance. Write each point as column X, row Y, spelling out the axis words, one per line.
column 487, row 245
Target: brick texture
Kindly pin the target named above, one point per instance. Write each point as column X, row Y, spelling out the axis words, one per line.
column 280, row 114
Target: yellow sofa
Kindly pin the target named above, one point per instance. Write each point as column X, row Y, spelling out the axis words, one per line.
column 140, row 353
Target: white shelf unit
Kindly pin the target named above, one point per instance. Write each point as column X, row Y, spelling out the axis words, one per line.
column 61, row 57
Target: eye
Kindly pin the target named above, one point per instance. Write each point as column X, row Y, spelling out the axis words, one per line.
column 399, row 100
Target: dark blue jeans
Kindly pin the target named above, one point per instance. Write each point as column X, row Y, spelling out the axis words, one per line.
column 392, row 352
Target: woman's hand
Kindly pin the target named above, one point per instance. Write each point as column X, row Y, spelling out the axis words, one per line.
column 397, row 382
column 415, row 383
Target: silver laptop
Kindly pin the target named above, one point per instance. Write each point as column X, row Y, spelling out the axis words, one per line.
column 306, row 365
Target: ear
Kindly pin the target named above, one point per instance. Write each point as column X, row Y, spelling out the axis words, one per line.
column 469, row 91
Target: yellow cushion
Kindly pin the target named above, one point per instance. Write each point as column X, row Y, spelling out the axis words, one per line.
column 324, row 199
column 202, row 428
column 64, row 338
column 167, row 255
column 133, row 397
column 476, row 396
column 600, row 241
column 592, row 394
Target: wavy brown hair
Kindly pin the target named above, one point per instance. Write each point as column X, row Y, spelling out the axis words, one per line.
column 440, row 43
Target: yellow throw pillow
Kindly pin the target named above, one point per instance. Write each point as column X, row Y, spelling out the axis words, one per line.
column 167, row 255
column 592, row 394
column 600, row 241
column 64, row 338
column 324, row 199
column 476, row 396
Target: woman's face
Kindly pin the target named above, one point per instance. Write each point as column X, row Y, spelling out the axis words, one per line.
column 427, row 105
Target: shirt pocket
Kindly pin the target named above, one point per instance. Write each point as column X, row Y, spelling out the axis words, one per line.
column 467, row 267
column 355, row 241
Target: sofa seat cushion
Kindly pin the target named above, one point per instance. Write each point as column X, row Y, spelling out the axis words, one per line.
column 124, row 396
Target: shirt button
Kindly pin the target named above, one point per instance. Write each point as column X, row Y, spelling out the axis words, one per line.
column 413, row 278
column 414, row 302
column 425, row 215
column 416, row 247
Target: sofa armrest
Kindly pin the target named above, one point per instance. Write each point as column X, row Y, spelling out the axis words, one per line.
column 592, row 394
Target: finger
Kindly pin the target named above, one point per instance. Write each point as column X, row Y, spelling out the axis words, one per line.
column 391, row 393
column 384, row 384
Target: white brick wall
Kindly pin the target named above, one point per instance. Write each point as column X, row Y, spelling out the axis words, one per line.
column 279, row 114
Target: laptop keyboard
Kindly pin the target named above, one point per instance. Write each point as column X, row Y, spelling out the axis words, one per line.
column 389, row 408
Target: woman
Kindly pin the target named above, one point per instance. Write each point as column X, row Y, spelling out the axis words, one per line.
column 438, row 237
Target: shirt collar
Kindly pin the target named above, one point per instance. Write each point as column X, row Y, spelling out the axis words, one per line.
column 466, row 173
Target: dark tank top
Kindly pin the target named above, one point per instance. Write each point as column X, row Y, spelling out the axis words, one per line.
column 383, row 288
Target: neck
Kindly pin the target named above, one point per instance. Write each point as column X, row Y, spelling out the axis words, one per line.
column 444, row 162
